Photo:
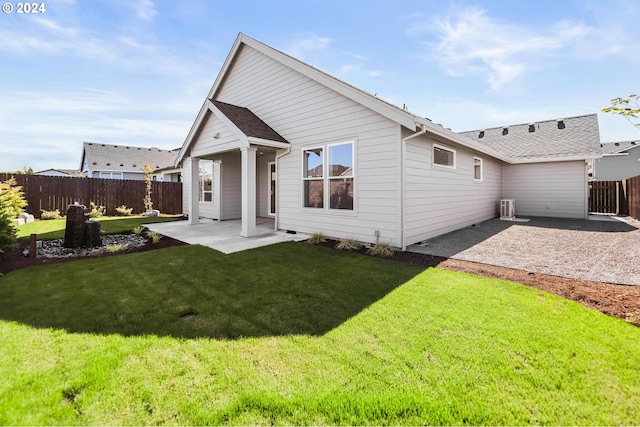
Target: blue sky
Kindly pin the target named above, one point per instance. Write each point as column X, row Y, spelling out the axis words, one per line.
column 136, row 72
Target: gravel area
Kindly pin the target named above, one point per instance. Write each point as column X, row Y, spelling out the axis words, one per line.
column 599, row 251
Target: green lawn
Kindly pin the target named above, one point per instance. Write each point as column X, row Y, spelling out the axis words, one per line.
column 296, row 334
column 54, row 229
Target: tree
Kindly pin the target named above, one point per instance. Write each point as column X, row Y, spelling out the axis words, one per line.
column 148, row 203
column 629, row 108
column 12, row 198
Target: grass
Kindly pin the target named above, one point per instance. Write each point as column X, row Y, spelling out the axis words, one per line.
column 300, row 334
column 54, row 229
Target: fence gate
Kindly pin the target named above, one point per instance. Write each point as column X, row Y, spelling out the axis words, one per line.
column 604, row 197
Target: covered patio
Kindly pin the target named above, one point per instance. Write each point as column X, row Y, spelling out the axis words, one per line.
column 224, row 236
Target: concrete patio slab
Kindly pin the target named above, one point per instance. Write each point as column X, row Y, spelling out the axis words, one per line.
column 224, row 236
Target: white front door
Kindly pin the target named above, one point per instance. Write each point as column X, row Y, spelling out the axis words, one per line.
column 272, row 188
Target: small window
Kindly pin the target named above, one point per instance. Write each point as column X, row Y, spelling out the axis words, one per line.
column 313, row 172
column 206, row 181
column 477, row 169
column 444, row 156
column 341, row 176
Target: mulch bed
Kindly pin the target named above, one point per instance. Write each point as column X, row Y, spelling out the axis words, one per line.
column 614, row 300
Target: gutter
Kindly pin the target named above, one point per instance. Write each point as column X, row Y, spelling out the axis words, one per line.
column 403, row 156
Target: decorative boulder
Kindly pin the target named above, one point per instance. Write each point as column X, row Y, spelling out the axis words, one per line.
column 93, row 234
column 153, row 212
column 26, row 218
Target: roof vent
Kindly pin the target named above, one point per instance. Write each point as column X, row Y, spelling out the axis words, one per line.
column 121, row 164
column 505, row 130
column 633, row 143
column 134, row 165
column 94, row 163
column 532, row 127
column 561, row 124
column 102, row 145
column 108, row 164
column 617, row 144
column 481, row 134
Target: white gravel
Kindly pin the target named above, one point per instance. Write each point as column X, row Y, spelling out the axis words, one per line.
column 601, row 251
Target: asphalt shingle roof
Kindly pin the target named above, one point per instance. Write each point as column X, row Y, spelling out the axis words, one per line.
column 551, row 139
column 618, row 147
column 108, row 157
column 248, row 123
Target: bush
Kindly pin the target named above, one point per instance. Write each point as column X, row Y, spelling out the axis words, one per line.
column 96, row 211
column 139, row 229
column 381, row 250
column 8, row 231
column 123, row 210
column 118, row 247
column 347, row 245
column 316, row 239
column 12, row 198
column 155, row 237
column 47, row 215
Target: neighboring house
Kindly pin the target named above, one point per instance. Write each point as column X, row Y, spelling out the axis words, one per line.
column 59, row 172
column 125, row 162
column 620, row 160
column 277, row 137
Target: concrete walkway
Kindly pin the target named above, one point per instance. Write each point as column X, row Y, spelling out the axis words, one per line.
column 224, row 236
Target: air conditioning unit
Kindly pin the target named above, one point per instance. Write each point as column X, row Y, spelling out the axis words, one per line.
column 507, row 209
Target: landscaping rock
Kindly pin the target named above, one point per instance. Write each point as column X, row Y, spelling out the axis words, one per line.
column 26, row 218
column 93, row 234
column 153, row 213
column 75, row 228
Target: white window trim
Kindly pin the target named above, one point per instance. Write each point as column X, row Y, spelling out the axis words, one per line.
column 201, row 198
column 442, row 147
column 481, row 169
column 326, row 178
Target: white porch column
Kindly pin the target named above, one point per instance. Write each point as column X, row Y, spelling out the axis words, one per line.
column 248, row 162
column 194, row 190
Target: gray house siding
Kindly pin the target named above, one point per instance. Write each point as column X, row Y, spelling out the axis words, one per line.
column 617, row 167
column 309, row 114
column 557, row 189
column 438, row 199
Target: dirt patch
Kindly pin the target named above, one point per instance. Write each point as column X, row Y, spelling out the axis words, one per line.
column 622, row 301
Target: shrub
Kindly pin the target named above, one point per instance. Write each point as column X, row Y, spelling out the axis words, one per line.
column 123, row 210
column 47, row 215
column 96, row 210
column 117, row 247
column 316, row 239
column 139, row 229
column 8, row 230
column 12, row 198
column 148, row 172
column 155, row 237
column 347, row 245
column 381, row 250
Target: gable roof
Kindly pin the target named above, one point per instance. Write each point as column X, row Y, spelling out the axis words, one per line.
column 382, row 107
column 573, row 138
column 123, row 158
column 248, row 123
column 609, row 148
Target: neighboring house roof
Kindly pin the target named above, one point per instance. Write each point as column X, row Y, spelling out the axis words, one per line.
column 618, row 147
column 248, row 123
column 122, row 158
column 572, row 138
column 382, row 107
column 70, row 172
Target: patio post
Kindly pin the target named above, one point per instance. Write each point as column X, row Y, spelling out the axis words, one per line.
column 194, row 190
column 248, row 161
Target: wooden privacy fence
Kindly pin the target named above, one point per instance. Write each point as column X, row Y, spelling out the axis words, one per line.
column 604, row 197
column 633, row 196
column 53, row 192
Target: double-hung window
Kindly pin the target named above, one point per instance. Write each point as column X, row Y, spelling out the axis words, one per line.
column 328, row 176
column 206, row 181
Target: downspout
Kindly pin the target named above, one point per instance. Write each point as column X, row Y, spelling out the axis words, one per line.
column 278, row 156
column 422, row 131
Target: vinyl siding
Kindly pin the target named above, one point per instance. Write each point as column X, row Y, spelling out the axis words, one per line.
column 231, row 185
column 439, row 199
column 308, row 114
column 547, row 189
column 206, row 141
column 205, row 209
column 618, row 167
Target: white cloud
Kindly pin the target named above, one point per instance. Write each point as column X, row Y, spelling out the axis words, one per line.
column 145, row 10
column 471, row 42
column 309, row 43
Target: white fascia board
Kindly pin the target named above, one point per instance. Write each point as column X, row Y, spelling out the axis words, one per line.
column 267, row 142
column 192, row 132
column 615, row 154
column 460, row 139
column 555, row 159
